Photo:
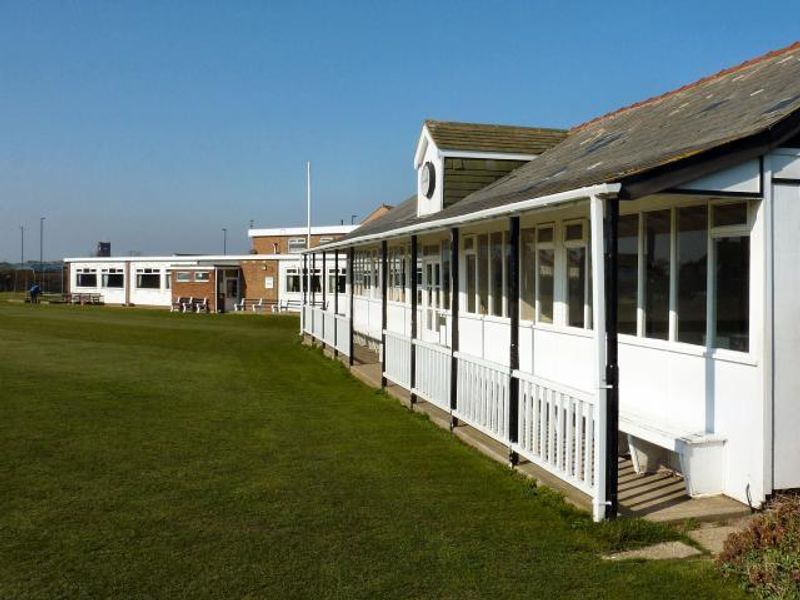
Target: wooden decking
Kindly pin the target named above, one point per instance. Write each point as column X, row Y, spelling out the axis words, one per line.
column 659, row 497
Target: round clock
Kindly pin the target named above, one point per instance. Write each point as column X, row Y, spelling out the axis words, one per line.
column 428, row 179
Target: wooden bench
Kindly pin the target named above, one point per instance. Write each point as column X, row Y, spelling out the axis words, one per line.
column 287, row 305
column 179, row 304
column 253, row 304
column 83, row 298
column 199, row 305
column 699, row 454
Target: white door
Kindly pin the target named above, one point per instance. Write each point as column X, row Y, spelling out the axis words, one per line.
column 432, row 317
column 231, row 289
column 786, row 421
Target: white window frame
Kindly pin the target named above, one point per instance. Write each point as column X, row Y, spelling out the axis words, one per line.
column 183, row 276
column 582, row 242
column 551, row 245
column 296, row 241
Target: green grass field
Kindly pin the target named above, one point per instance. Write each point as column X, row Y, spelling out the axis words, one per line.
column 155, row 455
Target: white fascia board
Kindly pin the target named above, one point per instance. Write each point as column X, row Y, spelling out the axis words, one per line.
column 603, row 190
column 489, row 155
column 301, row 231
column 422, row 146
column 188, row 260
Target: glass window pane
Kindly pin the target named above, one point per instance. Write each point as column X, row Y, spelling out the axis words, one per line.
column 573, row 232
column 544, row 235
column 445, row 275
column 657, row 243
column 470, row 283
column 576, row 286
column 628, row 273
column 497, row 274
column 692, row 259
column 483, row 274
column 527, row 274
column 730, row 214
column 545, row 285
column 732, row 293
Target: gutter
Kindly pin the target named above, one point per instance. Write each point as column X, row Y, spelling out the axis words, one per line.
column 602, row 190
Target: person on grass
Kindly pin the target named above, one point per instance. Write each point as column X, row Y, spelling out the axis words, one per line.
column 35, row 291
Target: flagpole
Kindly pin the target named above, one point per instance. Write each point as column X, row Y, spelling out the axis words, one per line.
column 308, row 219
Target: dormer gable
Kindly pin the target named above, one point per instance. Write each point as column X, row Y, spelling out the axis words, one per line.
column 453, row 159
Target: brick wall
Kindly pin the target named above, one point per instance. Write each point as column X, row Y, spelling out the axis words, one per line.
column 254, row 276
column 196, row 289
column 267, row 244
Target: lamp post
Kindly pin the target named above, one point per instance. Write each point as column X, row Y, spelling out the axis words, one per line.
column 224, row 241
column 41, row 252
column 21, row 254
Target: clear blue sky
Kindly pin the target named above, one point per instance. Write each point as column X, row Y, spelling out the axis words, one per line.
column 154, row 125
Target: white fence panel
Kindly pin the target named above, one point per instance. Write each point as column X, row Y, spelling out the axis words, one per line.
column 316, row 323
column 398, row 359
column 483, row 396
column 432, row 377
column 343, row 334
column 330, row 328
column 307, row 319
column 557, row 428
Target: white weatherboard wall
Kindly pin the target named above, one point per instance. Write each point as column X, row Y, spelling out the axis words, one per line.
column 430, row 154
column 110, row 295
column 786, row 418
column 150, row 297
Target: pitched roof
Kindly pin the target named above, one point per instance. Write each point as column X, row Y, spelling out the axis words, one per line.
column 731, row 105
column 507, row 139
column 739, row 104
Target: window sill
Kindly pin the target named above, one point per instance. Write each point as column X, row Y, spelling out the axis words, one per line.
column 486, row 318
column 731, row 356
column 559, row 329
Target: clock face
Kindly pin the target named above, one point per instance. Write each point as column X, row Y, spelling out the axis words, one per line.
column 428, row 179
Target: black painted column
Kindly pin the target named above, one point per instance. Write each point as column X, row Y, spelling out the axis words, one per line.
column 324, row 290
column 611, row 231
column 413, row 275
column 512, row 280
column 351, row 278
column 304, row 287
column 313, row 293
column 335, row 302
column 384, row 290
column 454, row 312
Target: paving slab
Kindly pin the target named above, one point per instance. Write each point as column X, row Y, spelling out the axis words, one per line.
column 712, row 537
column 662, row 551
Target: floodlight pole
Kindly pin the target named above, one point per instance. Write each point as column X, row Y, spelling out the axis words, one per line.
column 224, row 241
column 41, row 252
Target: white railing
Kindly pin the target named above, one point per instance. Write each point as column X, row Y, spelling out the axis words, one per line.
column 329, row 329
column 483, row 396
column 307, row 319
column 432, row 373
column 316, row 323
column 557, row 428
column 398, row 359
column 343, row 334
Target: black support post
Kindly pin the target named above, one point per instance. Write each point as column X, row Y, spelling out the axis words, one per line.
column 413, row 275
column 351, row 278
column 304, row 284
column 513, row 354
column 335, row 302
column 311, row 278
column 324, row 290
column 454, row 305
column 313, row 293
column 384, row 265
column 611, row 258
